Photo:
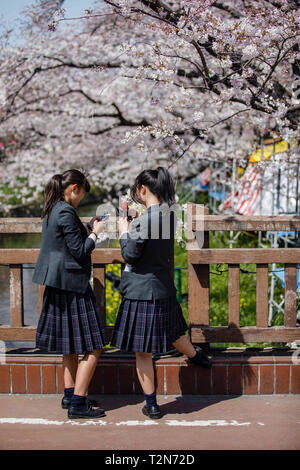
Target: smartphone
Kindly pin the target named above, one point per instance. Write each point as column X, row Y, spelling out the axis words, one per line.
column 103, row 217
column 122, row 213
column 97, row 217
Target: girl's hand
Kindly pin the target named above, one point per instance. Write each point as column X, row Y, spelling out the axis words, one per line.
column 134, row 213
column 124, row 224
column 99, row 226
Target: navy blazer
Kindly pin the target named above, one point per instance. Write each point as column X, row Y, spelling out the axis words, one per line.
column 65, row 255
column 147, row 248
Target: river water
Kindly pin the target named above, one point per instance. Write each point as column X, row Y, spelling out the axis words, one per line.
column 30, row 289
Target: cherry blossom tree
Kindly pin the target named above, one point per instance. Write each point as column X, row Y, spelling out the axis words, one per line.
column 133, row 84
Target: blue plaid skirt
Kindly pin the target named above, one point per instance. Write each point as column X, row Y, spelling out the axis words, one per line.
column 70, row 322
column 148, row 325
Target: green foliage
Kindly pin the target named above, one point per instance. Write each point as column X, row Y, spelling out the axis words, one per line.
column 113, row 297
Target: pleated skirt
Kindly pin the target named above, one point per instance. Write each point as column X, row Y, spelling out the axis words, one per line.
column 70, row 322
column 148, row 325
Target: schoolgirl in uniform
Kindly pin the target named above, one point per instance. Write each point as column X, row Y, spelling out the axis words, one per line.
column 70, row 322
column 150, row 318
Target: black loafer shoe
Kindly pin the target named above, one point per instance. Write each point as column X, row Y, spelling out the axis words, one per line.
column 66, row 402
column 152, row 412
column 202, row 359
column 85, row 411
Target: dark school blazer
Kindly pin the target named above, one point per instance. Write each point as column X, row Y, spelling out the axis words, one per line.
column 147, row 247
column 65, row 254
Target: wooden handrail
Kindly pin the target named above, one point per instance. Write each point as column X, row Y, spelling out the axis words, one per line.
column 247, row 223
column 30, row 255
column 34, row 224
column 199, row 222
column 244, row 255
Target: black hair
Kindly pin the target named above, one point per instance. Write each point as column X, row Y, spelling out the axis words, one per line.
column 159, row 182
column 54, row 189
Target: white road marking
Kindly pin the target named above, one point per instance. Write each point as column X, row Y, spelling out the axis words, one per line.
column 208, row 422
column 87, row 423
column 39, row 421
column 136, row 423
column 168, row 422
column 30, row 421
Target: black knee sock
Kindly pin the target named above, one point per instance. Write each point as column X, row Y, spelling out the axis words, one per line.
column 69, row 392
column 150, row 399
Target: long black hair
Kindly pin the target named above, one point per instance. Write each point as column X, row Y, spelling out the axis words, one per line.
column 55, row 187
column 159, row 182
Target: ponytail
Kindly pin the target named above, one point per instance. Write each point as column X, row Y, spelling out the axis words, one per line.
column 54, row 189
column 165, row 186
column 159, row 182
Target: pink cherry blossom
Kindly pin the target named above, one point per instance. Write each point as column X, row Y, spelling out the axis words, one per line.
column 177, row 82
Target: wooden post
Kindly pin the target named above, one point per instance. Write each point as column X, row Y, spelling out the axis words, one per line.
column 41, row 290
column 262, row 295
column 290, row 302
column 99, row 288
column 198, row 274
column 233, row 295
column 16, row 295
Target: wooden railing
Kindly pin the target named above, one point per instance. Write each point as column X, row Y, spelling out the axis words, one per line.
column 15, row 258
column 200, row 259
column 16, row 331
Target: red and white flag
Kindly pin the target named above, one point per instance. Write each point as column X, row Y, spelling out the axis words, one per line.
column 247, row 196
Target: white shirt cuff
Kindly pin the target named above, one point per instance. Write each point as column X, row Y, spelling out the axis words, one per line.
column 124, row 231
column 93, row 236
